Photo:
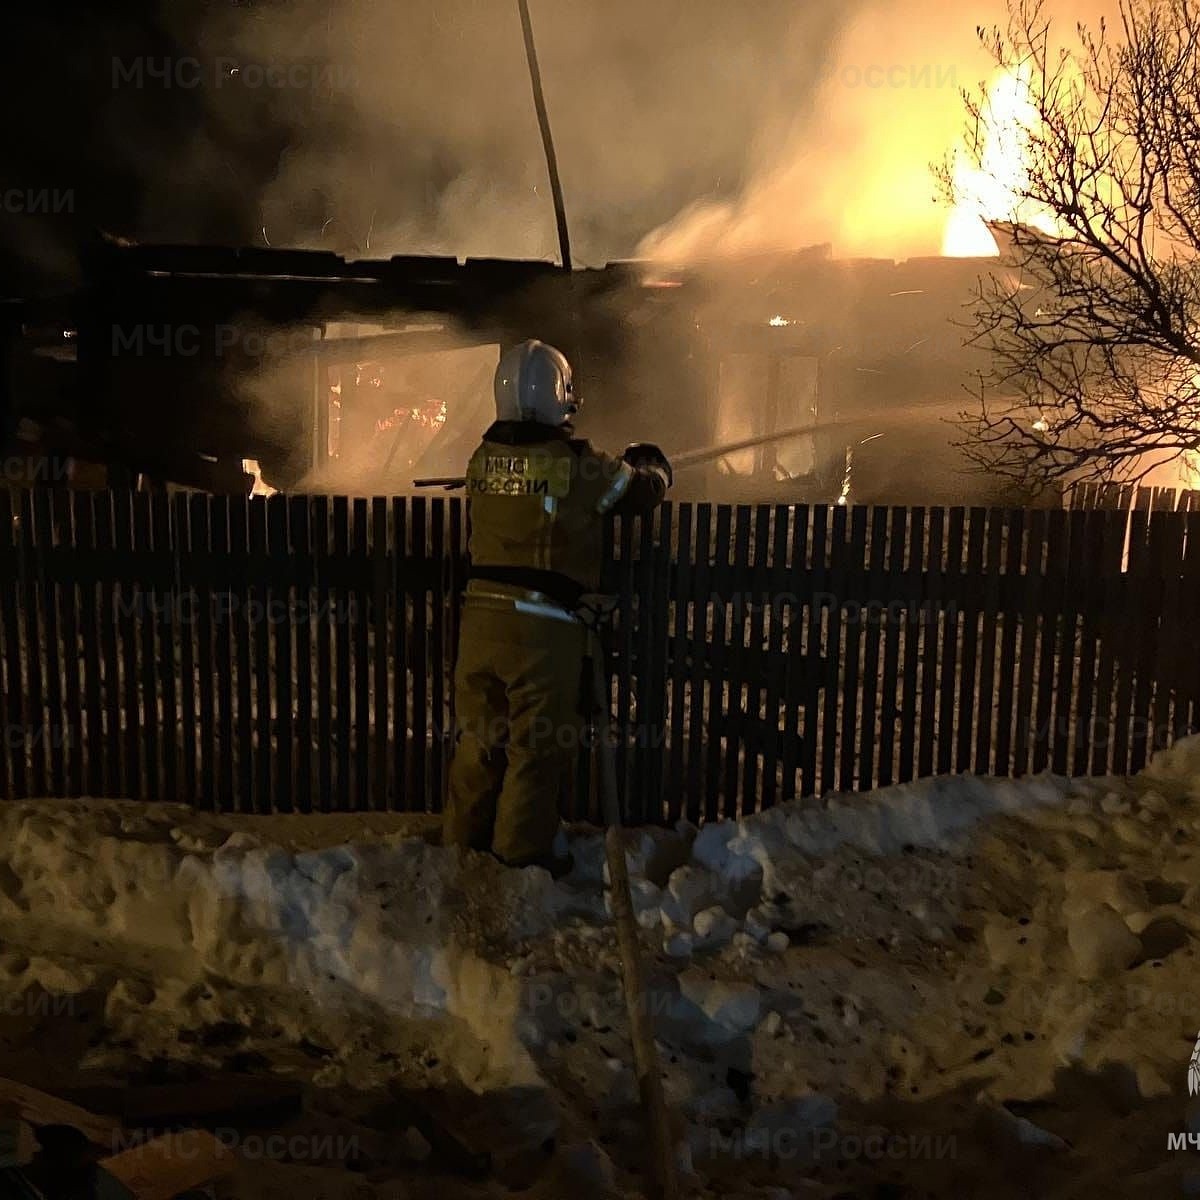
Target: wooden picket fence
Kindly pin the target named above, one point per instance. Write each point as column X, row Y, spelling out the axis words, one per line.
column 295, row 653
column 1128, row 497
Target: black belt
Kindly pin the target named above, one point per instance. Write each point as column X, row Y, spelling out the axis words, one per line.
column 562, row 589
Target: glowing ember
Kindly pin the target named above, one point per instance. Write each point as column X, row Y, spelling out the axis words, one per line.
column 779, row 322
column 995, row 190
column 430, row 414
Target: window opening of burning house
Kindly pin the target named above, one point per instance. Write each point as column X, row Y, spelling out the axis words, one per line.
column 394, row 410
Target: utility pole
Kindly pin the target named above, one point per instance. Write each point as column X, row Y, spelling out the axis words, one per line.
column 539, row 103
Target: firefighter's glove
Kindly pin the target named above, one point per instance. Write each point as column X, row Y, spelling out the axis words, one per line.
column 648, row 455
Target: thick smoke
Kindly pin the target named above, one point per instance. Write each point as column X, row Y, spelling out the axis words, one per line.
column 420, row 135
column 685, row 128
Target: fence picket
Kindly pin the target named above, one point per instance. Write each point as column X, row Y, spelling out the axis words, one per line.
column 717, row 715
column 931, row 641
column 12, row 765
column 916, row 626
column 685, row 607
column 698, row 661
column 359, row 615
column 779, row 609
column 280, row 621
column 243, row 588
column 172, row 643
column 852, row 622
column 226, row 602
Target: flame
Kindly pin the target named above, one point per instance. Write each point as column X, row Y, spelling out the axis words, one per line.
column 995, row 189
column 251, row 466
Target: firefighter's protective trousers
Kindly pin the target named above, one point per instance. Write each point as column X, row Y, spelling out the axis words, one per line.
column 517, row 699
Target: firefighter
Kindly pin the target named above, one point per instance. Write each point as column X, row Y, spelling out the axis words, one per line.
column 538, row 499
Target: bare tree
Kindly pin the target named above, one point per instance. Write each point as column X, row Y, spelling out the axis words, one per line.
column 1092, row 321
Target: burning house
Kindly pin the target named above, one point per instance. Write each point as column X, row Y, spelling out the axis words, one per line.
column 185, row 364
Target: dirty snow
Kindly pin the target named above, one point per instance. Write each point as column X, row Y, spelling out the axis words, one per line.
column 960, row 986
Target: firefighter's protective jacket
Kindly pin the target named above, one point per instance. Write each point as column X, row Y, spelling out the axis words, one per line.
column 538, row 501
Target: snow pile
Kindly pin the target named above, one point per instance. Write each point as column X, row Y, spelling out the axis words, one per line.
column 402, row 924
column 804, row 962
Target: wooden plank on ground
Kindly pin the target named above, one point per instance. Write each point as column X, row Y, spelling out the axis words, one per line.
column 41, row 1108
column 167, row 1166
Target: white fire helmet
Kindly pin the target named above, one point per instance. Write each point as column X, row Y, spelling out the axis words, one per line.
column 533, row 383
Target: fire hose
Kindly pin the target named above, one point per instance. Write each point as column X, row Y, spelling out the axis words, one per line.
column 641, row 1025
column 691, row 458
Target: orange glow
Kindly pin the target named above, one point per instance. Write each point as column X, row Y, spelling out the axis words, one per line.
column 994, row 190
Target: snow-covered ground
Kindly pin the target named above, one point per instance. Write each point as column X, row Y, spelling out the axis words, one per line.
column 959, row 987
